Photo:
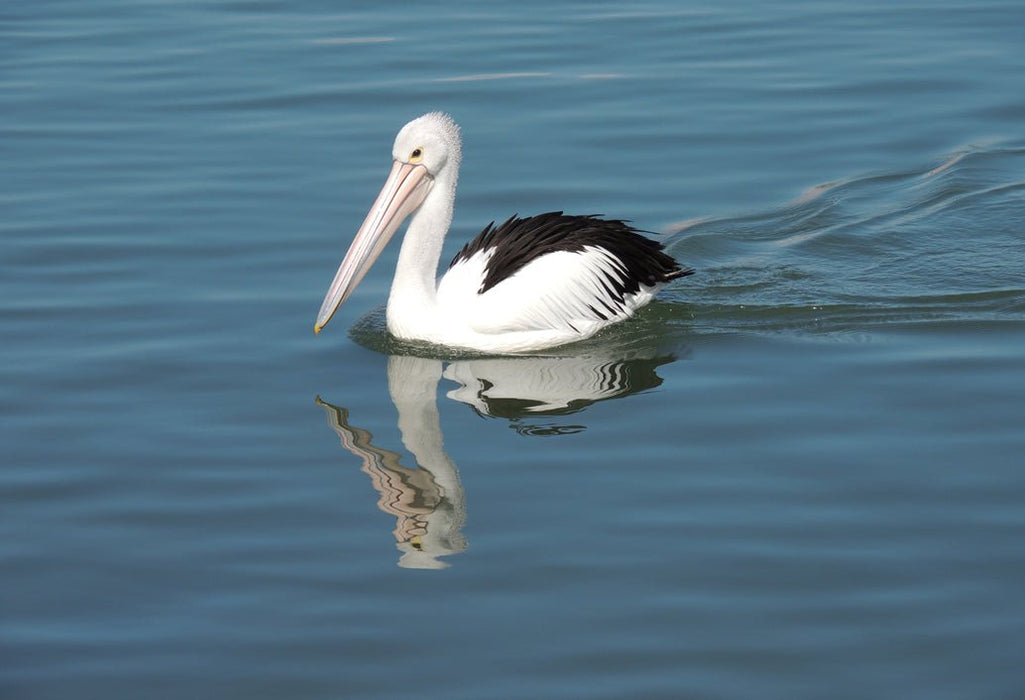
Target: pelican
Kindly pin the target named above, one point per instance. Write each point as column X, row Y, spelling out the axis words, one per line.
column 528, row 284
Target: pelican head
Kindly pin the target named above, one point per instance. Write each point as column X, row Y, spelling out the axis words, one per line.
column 427, row 152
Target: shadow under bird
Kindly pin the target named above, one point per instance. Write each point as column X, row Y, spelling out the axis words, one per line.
column 527, row 284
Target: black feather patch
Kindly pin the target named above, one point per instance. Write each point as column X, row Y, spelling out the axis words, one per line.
column 518, row 242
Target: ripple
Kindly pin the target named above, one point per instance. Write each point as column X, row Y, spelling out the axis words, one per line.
column 934, row 243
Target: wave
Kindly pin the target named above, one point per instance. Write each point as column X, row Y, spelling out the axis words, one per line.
column 945, row 242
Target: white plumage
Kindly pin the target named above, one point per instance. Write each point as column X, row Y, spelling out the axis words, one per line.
column 527, row 284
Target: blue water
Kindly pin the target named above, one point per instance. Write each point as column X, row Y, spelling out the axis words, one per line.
column 797, row 475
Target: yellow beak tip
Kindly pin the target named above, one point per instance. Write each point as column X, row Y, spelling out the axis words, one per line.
column 316, row 329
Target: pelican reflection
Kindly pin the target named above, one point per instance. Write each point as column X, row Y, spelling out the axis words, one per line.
column 533, row 393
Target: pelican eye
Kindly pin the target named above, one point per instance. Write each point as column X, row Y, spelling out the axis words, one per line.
column 417, row 155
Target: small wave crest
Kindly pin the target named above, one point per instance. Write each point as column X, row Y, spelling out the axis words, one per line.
column 945, row 242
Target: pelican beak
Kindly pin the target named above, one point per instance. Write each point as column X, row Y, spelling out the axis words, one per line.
column 403, row 192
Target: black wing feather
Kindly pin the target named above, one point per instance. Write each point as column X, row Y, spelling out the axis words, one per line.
column 518, row 242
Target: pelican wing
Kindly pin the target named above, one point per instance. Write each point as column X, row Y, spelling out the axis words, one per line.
column 560, row 290
column 554, row 271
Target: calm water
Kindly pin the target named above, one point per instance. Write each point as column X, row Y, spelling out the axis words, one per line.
column 798, row 475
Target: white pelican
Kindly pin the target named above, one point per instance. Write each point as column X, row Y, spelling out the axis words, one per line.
column 525, row 285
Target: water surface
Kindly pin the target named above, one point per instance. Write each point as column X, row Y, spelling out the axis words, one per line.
column 797, row 475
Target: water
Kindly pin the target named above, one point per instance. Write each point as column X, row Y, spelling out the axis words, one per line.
column 796, row 475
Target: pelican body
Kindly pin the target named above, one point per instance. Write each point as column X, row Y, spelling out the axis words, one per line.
column 527, row 284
